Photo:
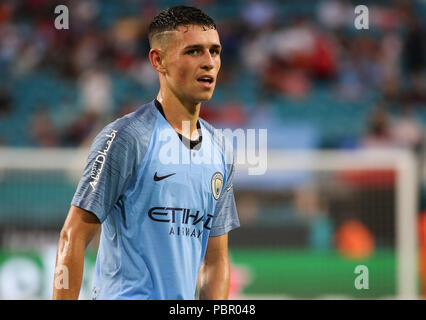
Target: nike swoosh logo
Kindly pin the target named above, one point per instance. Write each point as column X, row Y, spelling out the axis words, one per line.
column 157, row 178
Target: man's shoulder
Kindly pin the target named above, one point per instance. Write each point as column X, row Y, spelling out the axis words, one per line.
column 138, row 120
column 134, row 127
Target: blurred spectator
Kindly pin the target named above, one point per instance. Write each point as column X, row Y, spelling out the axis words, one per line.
column 289, row 65
column 290, row 58
column 43, row 131
column 324, row 58
column 95, row 88
column 5, row 102
column 127, row 107
column 30, row 56
column 257, row 14
column 143, row 72
column 86, row 52
column 231, row 38
column 335, row 14
column 407, row 132
column 84, row 13
column 391, row 50
column 125, row 33
column 415, row 58
column 82, row 129
column 379, row 132
column 401, row 131
column 6, row 11
column 256, row 51
column 296, row 42
column 359, row 69
column 414, row 47
column 9, row 43
column 282, row 77
column 228, row 115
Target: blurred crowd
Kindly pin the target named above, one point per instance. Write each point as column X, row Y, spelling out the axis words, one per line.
column 287, row 53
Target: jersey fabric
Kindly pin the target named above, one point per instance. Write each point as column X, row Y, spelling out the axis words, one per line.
column 159, row 201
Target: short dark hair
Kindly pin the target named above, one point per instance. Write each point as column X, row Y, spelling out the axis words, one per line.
column 170, row 19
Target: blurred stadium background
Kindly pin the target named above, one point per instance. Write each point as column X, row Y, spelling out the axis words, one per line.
column 345, row 111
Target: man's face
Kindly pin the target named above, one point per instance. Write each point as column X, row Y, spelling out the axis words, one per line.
column 192, row 62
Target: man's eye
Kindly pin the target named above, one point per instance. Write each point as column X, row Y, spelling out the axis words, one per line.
column 192, row 52
column 214, row 52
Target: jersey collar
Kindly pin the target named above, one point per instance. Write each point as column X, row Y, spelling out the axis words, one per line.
column 193, row 144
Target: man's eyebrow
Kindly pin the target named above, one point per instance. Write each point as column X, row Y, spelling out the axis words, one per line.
column 199, row 46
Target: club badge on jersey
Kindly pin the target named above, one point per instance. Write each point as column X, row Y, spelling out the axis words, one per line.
column 217, row 182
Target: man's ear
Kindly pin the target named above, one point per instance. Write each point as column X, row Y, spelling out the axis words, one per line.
column 156, row 57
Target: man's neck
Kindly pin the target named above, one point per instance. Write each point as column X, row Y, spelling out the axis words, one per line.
column 178, row 114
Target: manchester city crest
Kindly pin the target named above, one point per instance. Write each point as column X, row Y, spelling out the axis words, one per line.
column 217, row 183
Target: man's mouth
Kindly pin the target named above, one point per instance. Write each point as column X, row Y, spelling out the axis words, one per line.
column 205, row 79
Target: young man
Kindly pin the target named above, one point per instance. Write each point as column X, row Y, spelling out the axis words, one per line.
column 165, row 201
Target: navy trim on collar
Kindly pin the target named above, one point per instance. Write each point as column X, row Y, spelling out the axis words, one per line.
column 193, row 144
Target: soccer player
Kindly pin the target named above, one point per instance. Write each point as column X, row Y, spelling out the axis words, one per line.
column 165, row 201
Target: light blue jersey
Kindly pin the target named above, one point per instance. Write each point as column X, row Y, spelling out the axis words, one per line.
column 158, row 201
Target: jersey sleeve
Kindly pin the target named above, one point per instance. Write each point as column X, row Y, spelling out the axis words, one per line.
column 109, row 169
column 226, row 216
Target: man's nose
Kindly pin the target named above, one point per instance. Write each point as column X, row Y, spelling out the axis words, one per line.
column 208, row 61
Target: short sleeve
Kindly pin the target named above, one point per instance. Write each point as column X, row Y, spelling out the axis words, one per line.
column 226, row 216
column 108, row 172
